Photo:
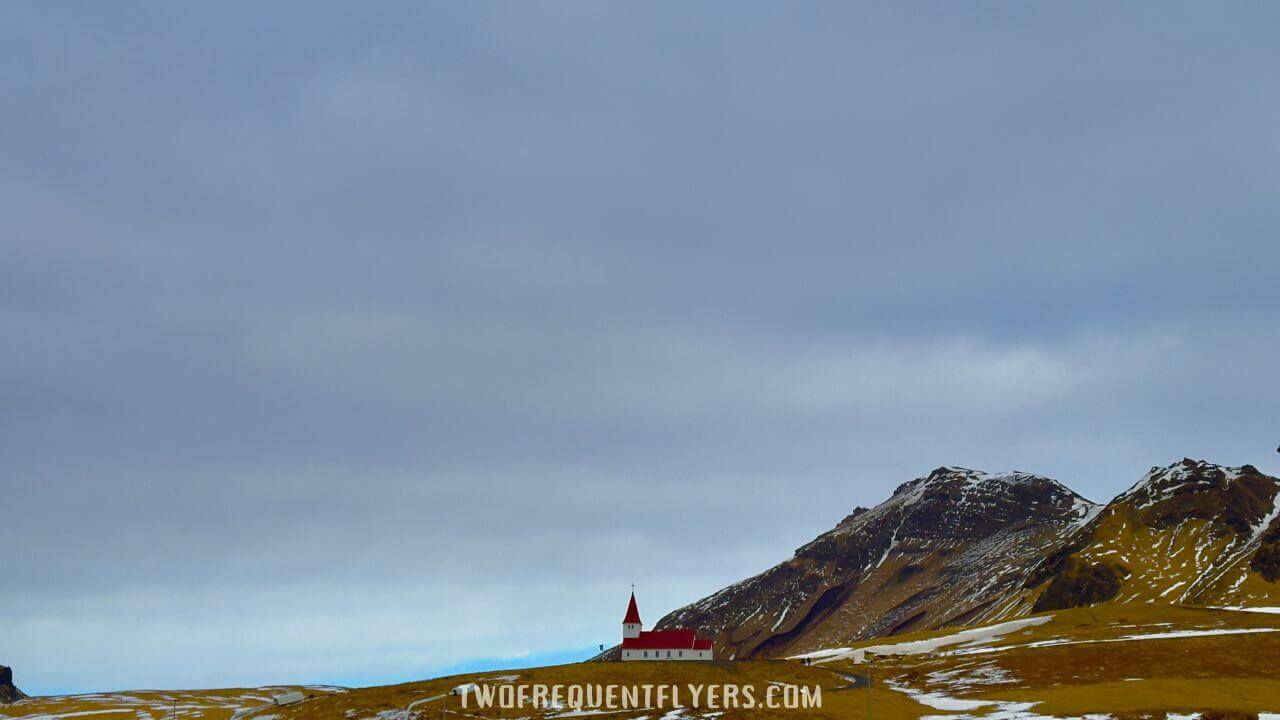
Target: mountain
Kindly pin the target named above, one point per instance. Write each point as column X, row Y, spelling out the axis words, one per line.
column 939, row 552
column 1191, row 533
column 961, row 547
column 8, row 693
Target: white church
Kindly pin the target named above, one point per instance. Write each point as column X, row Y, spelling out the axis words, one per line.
column 674, row 644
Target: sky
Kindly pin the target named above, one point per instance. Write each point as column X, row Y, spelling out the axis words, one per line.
column 357, row 344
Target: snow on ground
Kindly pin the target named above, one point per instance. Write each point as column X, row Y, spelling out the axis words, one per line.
column 973, row 636
column 973, row 709
column 1015, row 713
column 1002, row 710
column 964, row 679
column 1189, row 633
column 967, row 678
column 327, row 688
column 1125, row 638
column 939, row 701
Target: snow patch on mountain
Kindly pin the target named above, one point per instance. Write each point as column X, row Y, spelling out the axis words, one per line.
column 964, row 638
column 1187, row 475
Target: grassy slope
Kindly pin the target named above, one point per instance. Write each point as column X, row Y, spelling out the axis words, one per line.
column 369, row 702
column 1186, row 563
column 1228, row 672
column 152, row 704
column 836, row 704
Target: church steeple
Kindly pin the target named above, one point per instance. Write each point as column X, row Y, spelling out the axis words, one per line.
column 631, row 624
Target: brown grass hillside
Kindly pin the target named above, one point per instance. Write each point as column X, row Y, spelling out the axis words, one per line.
column 1114, row 660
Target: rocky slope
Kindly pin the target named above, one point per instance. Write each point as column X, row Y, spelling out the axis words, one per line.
column 1190, row 533
column 8, row 693
column 944, row 549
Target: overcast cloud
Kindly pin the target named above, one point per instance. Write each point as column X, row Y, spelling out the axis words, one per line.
column 352, row 344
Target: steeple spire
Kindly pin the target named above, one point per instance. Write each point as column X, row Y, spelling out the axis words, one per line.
column 633, row 613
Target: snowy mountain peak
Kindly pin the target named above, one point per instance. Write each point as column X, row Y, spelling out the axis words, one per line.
column 936, row 552
column 1187, row 476
column 950, row 479
column 953, row 504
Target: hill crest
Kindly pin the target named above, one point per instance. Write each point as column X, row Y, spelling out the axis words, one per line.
column 959, row 546
column 926, row 557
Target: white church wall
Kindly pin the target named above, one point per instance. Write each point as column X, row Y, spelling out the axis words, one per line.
column 665, row 654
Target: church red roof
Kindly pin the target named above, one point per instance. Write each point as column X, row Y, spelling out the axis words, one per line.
column 633, row 613
column 666, row 640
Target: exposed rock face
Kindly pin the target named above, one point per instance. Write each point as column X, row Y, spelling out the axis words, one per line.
column 1079, row 584
column 944, row 549
column 8, row 693
column 1266, row 561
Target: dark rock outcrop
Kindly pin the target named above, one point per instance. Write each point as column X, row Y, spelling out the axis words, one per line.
column 1081, row 584
column 1266, row 561
column 8, row 693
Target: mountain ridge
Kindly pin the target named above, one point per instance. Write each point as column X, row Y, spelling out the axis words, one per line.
column 914, row 561
column 959, row 546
